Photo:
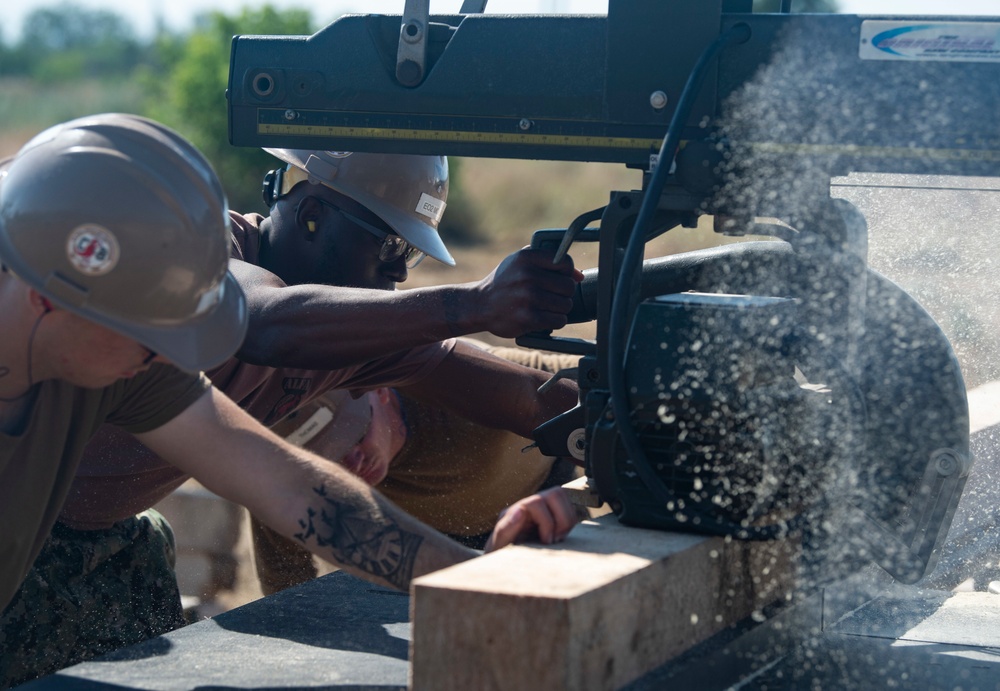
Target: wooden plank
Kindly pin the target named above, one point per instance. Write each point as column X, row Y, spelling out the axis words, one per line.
column 582, row 493
column 595, row 612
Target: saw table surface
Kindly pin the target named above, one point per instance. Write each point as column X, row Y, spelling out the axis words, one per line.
column 340, row 633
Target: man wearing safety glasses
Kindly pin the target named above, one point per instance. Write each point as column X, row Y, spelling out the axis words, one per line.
column 339, row 226
column 362, row 221
column 319, row 273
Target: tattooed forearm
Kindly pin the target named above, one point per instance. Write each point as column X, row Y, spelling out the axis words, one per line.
column 376, row 544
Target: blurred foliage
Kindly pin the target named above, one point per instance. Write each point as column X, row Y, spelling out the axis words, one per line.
column 66, row 42
column 187, row 91
column 462, row 224
column 29, row 106
column 70, row 27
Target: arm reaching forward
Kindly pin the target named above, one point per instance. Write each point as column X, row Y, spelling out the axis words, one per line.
column 305, row 325
column 319, row 504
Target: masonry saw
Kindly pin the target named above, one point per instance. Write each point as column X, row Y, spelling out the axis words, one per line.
column 768, row 387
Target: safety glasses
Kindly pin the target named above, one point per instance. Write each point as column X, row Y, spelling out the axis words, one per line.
column 393, row 247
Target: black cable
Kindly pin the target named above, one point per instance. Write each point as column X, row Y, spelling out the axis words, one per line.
column 620, row 307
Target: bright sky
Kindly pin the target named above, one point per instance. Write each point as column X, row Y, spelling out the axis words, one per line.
column 177, row 14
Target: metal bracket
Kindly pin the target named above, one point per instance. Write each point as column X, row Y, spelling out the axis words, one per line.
column 411, row 57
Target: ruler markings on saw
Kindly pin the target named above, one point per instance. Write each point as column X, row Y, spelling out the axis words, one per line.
column 459, row 136
column 609, row 142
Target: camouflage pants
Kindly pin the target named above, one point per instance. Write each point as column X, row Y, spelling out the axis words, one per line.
column 88, row 593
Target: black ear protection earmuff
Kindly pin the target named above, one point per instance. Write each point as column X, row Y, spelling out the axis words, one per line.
column 271, row 187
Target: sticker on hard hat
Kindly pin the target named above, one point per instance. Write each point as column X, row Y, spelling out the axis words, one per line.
column 92, row 250
column 430, row 207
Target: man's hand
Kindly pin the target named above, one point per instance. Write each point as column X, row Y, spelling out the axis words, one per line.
column 331, row 327
column 547, row 517
column 527, row 292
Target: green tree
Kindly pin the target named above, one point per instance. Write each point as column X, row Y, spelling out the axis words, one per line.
column 187, row 92
column 68, row 41
column 11, row 60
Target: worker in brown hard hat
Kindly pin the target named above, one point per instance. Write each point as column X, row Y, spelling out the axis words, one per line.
column 113, row 238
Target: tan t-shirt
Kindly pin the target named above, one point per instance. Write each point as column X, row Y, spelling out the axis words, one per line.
column 456, row 475
column 37, row 466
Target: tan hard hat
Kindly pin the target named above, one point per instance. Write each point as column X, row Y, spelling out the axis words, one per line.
column 408, row 192
column 122, row 221
column 330, row 425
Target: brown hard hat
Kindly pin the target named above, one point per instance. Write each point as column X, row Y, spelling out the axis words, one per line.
column 123, row 222
column 408, row 192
